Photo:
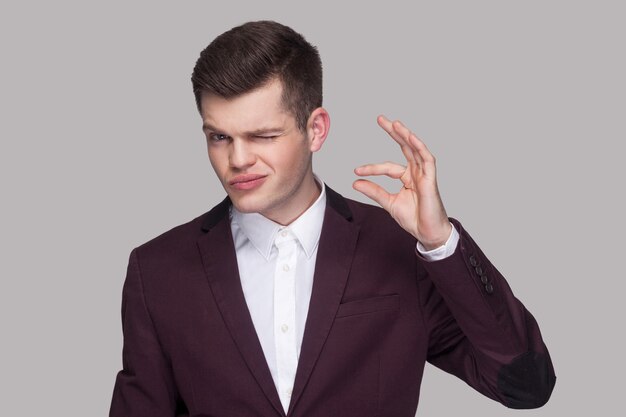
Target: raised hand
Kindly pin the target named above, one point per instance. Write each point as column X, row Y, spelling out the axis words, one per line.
column 417, row 207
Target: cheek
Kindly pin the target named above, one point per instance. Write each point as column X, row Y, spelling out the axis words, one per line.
column 290, row 158
column 218, row 162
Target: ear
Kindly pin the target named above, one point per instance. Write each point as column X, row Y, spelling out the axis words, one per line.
column 318, row 126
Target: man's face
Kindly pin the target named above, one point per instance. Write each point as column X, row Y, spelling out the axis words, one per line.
column 257, row 151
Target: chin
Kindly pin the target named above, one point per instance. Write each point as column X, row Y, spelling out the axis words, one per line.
column 247, row 205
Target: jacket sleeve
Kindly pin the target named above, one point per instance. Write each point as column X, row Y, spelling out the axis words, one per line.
column 145, row 386
column 480, row 332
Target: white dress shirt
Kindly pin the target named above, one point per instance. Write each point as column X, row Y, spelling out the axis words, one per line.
column 276, row 265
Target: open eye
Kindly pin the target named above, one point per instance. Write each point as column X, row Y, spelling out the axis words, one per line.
column 217, row 137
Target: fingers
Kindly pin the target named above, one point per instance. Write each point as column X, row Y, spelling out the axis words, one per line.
column 389, row 169
column 409, row 142
column 373, row 191
column 388, row 127
column 415, row 143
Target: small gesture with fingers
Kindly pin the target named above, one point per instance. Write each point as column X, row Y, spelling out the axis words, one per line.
column 417, row 206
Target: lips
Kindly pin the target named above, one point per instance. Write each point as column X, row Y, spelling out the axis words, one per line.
column 247, row 181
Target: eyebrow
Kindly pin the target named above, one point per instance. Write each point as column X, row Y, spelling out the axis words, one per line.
column 206, row 126
column 256, row 132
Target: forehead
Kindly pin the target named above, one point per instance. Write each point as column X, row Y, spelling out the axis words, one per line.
column 247, row 111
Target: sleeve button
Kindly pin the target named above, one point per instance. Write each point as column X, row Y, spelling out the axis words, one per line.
column 489, row 288
column 473, row 261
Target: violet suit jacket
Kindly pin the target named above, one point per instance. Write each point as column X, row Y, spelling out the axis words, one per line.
column 378, row 312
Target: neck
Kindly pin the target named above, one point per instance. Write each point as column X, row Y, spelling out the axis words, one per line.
column 308, row 192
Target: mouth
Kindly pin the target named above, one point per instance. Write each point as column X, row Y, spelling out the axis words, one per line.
column 247, row 181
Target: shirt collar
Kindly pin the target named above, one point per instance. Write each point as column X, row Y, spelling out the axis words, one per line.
column 262, row 231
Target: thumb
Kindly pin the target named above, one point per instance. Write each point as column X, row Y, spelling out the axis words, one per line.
column 373, row 191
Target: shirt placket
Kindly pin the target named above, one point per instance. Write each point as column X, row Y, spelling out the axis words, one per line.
column 285, row 313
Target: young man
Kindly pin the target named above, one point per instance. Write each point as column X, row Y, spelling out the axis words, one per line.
column 288, row 299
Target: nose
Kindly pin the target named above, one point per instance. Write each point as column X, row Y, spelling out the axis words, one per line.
column 241, row 156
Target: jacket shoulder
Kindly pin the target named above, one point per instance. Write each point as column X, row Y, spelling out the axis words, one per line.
column 378, row 227
column 186, row 234
column 370, row 216
column 176, row 240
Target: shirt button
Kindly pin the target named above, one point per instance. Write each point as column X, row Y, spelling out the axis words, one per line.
column 284, row 328
column 284, row 233
column 288, row 392
column 285, row 267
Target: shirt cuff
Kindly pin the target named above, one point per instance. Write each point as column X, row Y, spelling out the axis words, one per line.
column 442, row 251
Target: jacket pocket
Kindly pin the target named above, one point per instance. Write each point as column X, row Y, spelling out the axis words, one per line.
column 369, row 305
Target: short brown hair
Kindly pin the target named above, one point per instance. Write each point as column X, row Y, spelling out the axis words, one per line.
column 248, row 56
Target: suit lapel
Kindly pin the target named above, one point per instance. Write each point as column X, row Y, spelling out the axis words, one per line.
column 334, row 258
column 220, row 264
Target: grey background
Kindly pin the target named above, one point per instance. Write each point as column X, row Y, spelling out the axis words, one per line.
column 523, row 104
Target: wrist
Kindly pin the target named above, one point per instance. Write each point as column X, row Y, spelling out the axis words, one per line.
column 437, row 242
